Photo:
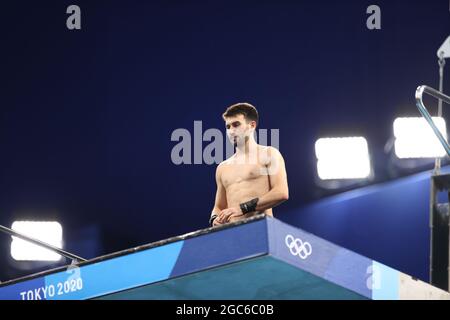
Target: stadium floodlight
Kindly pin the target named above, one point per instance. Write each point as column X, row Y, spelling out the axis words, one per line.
column 414, row 138
column 46, row 231
column 342, row 158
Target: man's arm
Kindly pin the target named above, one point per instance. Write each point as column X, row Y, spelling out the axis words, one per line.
column 220, row 202
column 278, row 193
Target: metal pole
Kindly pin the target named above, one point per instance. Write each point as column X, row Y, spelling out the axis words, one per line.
column 422, row 109
column 441, row 61
column 41, row 244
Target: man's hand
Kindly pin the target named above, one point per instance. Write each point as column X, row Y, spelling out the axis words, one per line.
column 216, row 222
column 227, row 215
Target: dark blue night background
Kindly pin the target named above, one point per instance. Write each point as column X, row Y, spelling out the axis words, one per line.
column 86, row 115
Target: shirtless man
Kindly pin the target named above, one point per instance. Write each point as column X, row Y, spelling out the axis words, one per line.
column 253, row 180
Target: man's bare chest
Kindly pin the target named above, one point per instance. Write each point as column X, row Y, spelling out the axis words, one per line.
column 238, row 173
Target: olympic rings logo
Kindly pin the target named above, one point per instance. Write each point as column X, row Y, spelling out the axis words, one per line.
column 298, row 247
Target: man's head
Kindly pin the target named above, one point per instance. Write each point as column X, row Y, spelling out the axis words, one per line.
column 241, row 120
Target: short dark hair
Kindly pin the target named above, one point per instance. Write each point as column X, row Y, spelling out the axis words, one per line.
column 250, row 113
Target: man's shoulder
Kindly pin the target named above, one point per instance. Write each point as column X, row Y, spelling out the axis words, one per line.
column 227, row 161
column 224, row 163
column 267, row 148
column 269, row 151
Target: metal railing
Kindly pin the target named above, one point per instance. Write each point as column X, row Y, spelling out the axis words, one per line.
column 423, row 110
column 41, row 244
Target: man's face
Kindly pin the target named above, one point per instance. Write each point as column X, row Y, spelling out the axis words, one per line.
column 238, row 130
